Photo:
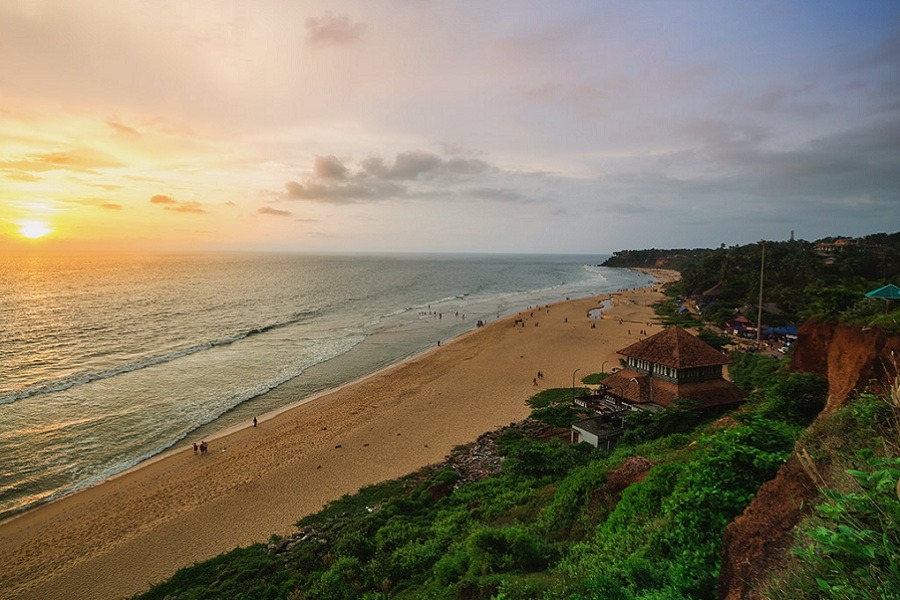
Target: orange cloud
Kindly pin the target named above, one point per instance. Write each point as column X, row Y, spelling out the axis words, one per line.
column 124, row 129
column 20, row 176
column 170, row 203
column 188, row 207
column 268, row 210
column 84, row 161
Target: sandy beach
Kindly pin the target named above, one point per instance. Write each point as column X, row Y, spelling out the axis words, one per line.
column 117, row 538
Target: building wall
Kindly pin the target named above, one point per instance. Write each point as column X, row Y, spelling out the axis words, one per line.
column 584, row 436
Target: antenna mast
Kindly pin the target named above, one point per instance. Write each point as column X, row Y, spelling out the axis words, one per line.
column 762, row 270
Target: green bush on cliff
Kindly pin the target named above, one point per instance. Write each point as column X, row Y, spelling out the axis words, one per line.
column 796, row 398
column 749, row 371
column 853, row 548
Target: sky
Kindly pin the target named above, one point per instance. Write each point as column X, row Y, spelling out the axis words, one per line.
column 433, row 126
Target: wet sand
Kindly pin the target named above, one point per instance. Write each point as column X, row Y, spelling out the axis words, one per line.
column 117, row 538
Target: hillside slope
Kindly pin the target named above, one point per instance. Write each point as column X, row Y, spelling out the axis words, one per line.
column 853, row 359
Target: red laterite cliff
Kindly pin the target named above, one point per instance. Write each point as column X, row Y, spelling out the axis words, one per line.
column 853, row 359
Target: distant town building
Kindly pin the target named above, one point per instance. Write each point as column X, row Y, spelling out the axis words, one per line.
column 840, row 244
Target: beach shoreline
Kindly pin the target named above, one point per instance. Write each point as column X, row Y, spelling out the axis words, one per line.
column 136, row 528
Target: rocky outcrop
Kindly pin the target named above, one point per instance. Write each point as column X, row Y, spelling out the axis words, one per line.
column 853, row 359
column 633, row 470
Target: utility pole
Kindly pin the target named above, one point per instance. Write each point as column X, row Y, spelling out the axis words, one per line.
column 762, row 270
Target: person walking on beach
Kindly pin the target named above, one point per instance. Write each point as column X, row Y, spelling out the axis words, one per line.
column 195, row 448
column 203, row 447
column 254, row 421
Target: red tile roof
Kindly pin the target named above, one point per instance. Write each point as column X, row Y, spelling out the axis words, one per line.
column 675, row 347
column 638, row 389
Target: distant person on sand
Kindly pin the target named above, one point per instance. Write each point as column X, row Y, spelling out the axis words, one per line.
column 195, row 448
column 203, row 447
column 254, row 421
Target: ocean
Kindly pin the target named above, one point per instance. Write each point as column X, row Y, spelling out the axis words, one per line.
column 106, row 361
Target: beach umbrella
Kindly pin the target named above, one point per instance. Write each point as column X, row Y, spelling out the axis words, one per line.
column 888, row 292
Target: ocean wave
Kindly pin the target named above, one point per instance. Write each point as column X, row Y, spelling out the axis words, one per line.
column 85, row 476
column 82, row 378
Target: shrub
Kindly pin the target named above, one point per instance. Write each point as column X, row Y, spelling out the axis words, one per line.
column 749, row 371
column 853, row 550
column 509, row 549
column 642, row 426
column 716, row 340
column 541, row 459
column 594, row 378
column 796, row 399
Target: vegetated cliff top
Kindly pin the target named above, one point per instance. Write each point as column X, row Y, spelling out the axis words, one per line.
column 676, row 259
column 826, row 279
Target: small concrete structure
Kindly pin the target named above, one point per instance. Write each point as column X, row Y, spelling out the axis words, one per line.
column 601, row 431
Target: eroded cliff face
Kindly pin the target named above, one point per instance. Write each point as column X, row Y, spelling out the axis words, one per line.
column 853, row 359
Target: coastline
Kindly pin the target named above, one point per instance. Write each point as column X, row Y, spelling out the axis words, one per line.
column 137, row 528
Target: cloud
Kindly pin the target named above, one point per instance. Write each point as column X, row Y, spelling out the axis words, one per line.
column 15, row 175
column 344, row 193
column 414, row 173
column 123, row 129
column 188, row 207
column 82, row 161
column 419, row 164
column 268, row 210
column 331, row 29
column 111, row 206
column 170, row 203
column 230, row 203
column 633, row 206
column 329, row 167
column 498, row 194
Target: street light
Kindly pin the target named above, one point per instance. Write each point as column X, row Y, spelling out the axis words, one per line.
column 573, row 385
column 603, row 366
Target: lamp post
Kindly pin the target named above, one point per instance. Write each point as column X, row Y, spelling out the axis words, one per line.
column 573, row 385
column 603, row 366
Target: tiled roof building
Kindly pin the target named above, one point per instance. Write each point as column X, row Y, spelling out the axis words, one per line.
column 669, row 365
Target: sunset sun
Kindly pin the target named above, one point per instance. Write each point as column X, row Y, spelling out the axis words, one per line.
column 34, row 229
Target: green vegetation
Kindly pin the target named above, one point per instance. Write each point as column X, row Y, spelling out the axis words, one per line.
column 554, row 407
column 850, row 547
column 749, row 371
column 800, row 281
column 668, row 312
column 716, row 340
column 545, row 526
column 677, row 260
column 594, row 378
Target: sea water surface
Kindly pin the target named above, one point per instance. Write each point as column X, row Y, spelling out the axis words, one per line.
column 108, row 360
